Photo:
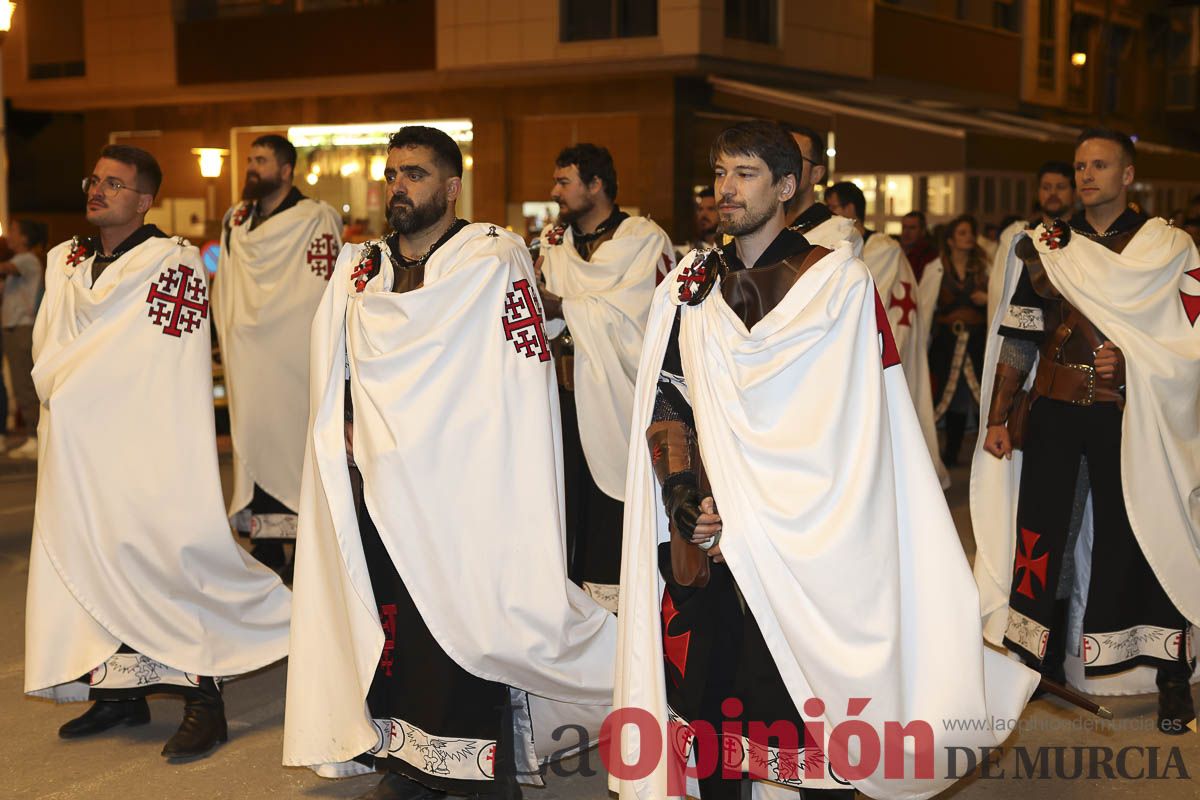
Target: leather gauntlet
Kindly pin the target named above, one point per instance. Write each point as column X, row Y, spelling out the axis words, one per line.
column 676, row 462
column 1007, row 384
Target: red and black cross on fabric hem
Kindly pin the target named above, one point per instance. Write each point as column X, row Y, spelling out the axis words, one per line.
column 387, row 620
column 905, row 303
column 178, row 301
column 321, row 256
column 522, row 321
column 675, row 645
column 1031, row 566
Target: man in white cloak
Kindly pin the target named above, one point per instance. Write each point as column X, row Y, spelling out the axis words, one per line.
column 897, row 287
column 780, row 436
column 435, row 628
column 599, row 267
column 135, row 584
column 1093, row 356
column 815, row 221
column 277, row 254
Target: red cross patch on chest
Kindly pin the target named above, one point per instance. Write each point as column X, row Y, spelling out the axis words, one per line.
column 178, row 301
column 321, row 256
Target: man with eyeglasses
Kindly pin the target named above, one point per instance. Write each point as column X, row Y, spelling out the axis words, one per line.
column 134, row 581
column 277, row 253
column 813, row 220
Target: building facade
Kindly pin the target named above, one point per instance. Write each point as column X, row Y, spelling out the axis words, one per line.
column 942, row 105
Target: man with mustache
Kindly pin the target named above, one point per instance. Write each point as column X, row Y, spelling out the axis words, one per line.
column 599, row 266
column 435, row 625
column 1092, row 359
column 1056, row 200
column 134, row 580
column 278, row 248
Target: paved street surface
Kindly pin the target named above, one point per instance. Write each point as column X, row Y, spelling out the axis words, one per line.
column 125, row 763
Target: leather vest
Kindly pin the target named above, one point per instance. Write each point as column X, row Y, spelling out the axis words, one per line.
column 752, row 293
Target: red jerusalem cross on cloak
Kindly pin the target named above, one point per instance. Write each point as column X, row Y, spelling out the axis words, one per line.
column 905, row 303
column 1026, row 561
column 522, row 322
column 320, row 255
column 178, row 301
column 1191, row 302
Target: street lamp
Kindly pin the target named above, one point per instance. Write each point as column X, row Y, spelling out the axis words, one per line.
column 6, row 16
column 212, row 159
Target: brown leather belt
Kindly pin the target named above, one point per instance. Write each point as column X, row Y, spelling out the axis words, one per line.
column 1072, row 383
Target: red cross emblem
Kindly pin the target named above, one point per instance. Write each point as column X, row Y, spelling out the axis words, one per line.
column 692, row 275
column 1056, row 235
column 1191, row 302
column 556, row 234
column 905, row 303
column 387, row 619
column 321, row 255
column 79, row 252
column 1026, row 561
column 487, row 760
column 240, row 215
column 367, row 264
column 675, row 646
column 522, row 320
column 178, row 301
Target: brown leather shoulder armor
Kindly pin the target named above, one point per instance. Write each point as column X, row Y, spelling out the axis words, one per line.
column 752, row 293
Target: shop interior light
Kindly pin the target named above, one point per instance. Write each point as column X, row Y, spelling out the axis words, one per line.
column 378, row 165
column 6, row 15
column 212, row 159
column 374, row 133
column 1079, row 59
column 312, row 178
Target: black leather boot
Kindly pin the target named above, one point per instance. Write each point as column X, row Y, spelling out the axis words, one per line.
column 395, row 786
column 202, row 729
column 1175, row 707
column 105, row 714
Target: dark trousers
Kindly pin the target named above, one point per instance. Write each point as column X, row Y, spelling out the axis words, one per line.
column 1123, row 593
column 594, row 520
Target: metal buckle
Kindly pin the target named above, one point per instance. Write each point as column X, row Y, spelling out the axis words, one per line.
column 1091, row 384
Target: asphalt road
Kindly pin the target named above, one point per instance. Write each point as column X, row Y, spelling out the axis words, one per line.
column 126, row 763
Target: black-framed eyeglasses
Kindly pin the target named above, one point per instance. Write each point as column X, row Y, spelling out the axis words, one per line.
column 109, row 187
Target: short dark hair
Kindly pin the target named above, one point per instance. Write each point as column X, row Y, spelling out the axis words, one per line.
column 1110, row 135
column 1009, row 220
column 35, row 233
column 920, row 215
column 592, row 161
column 848, row 192
column 445, row 150
column 149, row 173
column 816, row 140
column 285, row 151
column 760, row 138
column 1057, row 168
column 707, row 191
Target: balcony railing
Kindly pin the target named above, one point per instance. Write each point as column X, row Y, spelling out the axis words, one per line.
column 191, row 10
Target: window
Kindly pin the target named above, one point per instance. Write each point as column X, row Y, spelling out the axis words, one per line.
column 1079, row 76
column 1120, row 72
column 55, row 39
column 1183, row 57
column 1047, row 66
column 584, row 20
column 752, row 20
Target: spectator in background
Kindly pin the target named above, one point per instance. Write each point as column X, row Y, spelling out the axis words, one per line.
column 914, row 239
column 705, row 237
column 22, row 286
column 959, row 332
